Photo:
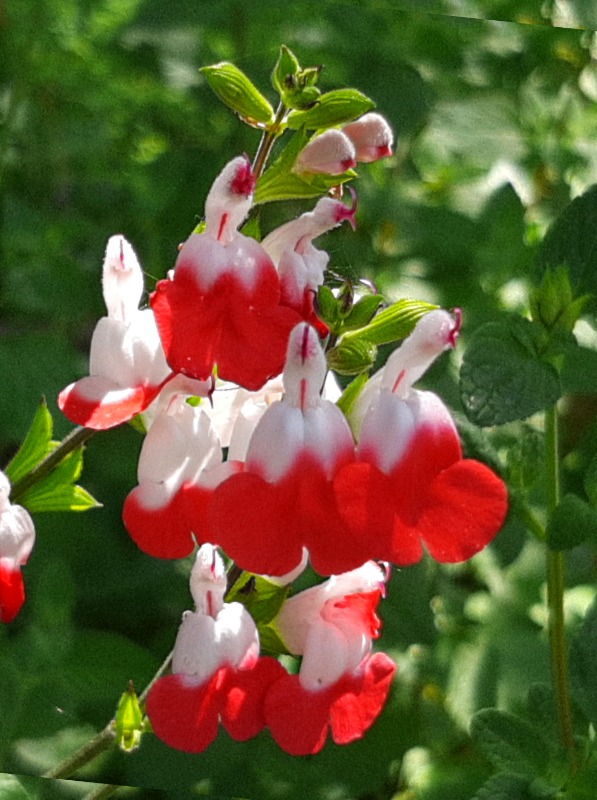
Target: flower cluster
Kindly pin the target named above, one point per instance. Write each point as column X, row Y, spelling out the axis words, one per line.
column 230, row 361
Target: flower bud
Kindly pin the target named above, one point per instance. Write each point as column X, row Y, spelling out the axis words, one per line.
column 122, row 279
column 331, row 153
column 371, row 136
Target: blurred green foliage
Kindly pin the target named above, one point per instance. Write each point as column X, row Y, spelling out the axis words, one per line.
column 108, row 126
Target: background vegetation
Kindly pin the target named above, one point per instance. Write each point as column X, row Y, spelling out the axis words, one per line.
column 107, row 126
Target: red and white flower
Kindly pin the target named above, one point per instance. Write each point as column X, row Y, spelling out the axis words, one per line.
column 17, row 537
column 283, row 500
column 341, row 687
column 179, row 466
column 127, row 367
column 371, row 137
column 300, row 265
column 410, row 488
column 217, row 673
column 330, row 153
column 221, row 305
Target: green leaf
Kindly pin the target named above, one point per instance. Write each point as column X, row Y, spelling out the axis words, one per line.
column 511, row 744
column 571, row 523
column 525, row 459
column 262, row 598
column 332, row 108
column 506, row 786
column 57, row 492
column 128, row 722
column 286, row 71
column 362, row 312
column 502, row 377
column 352, row 391
column 583, row 665
column 35, row 447
column 590, row 481
column 326, row 305
column 579, row 371
column 393, row 323
column 237, row 91
column 352, row 356
column 572, row 241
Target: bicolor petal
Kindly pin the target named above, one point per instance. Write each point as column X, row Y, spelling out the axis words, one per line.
column 17, row 537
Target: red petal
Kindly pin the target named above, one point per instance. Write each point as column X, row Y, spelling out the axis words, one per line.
column 166, row 531
column 243, row 715
column 361, row 699
column 183, row 716
column 255, row 524
column 100, row 404
column 12, row 592
column 224, row 326
column 466, row 507
column 298, row 719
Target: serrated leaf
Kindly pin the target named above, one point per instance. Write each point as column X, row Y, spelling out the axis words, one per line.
column 332, row 108
column 238, row 92
column 35, row 447
column 511, row 743
column 572, row 241
column 583, row 665
column 571, row 523
column 393, row 323
column 502, row 378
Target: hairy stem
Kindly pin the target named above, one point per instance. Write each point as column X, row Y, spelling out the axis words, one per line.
column 71, row 442
column 555, row 596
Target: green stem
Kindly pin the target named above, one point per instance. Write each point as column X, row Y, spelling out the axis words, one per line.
column 555, row 596
column 267, row 142
column 71, row 442
column 101, row 742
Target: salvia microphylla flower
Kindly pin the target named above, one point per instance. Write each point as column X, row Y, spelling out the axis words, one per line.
column 221, row 305
column 410, row 486
column 300, row 265
column 283, row 500
column 341, row 687
column 330, row 153
column 371, row 136
column 127, row 367
column 179, row 466
column 17, row 536
column 217, row 673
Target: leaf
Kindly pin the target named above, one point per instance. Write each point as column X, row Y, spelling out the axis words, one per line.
column 512, row 787
column 238, row 92
column 502, row 377
column 350, row 394
column 393, row 323
column 583, row 665
column 579, row 371
column 57, row 492
column 352, row 356
column 35, row 446
column 327, row 307
column 511, row 743
column 571, row 523
column 572, row 241
column 262, row 598
column 332, row 108
column 285, row 71
column 362, row 312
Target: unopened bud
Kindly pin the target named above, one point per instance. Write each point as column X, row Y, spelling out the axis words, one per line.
column 122, row 279
column 371, row 136
column 331, row 153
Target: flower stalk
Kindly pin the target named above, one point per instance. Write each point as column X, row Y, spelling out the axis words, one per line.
column 555, row 596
